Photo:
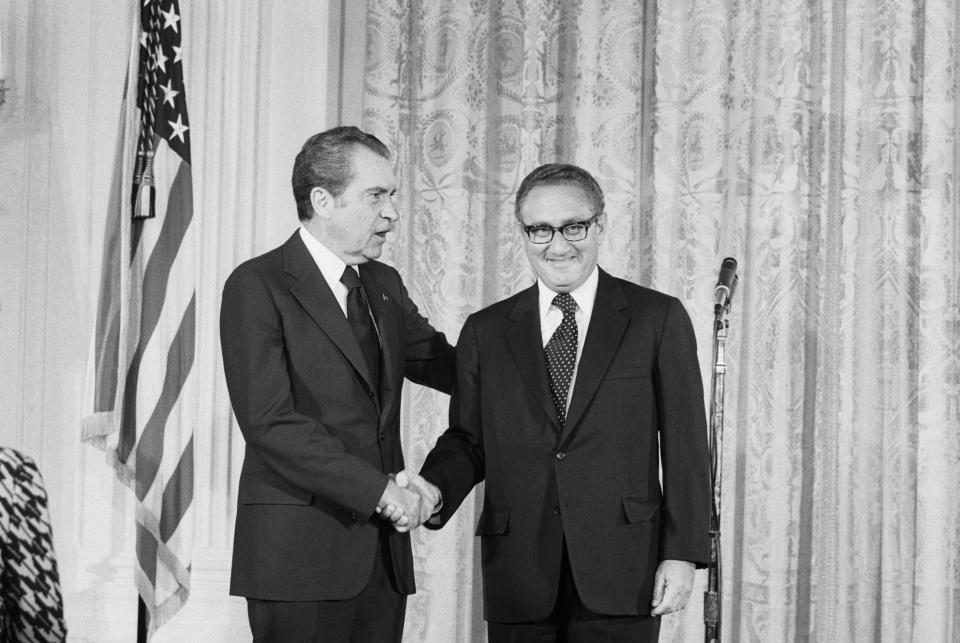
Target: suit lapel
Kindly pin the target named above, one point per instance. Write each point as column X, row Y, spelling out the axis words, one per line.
column 313, row 293
column 526, row 346
column 388, row 329
column 607, row 325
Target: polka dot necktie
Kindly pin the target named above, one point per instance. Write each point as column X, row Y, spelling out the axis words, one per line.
column 359, row 317
column 561, row 352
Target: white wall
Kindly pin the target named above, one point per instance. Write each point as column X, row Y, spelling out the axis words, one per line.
column 257, row 85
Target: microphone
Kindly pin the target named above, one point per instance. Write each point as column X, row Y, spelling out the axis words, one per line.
column 726, row 284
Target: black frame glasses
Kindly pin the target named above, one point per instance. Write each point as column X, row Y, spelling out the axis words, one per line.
column 573, row 231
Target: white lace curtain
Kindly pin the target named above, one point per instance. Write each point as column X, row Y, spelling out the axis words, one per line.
column 814, row 141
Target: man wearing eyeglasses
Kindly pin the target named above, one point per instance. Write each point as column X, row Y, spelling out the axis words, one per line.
column 568, row 396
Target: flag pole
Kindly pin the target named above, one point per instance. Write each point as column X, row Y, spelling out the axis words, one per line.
column 141, row 620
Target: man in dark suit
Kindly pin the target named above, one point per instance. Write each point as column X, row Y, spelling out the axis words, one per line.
column 567, row 396
column 317, row 337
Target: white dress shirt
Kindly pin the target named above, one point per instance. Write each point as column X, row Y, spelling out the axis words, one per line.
column 551, row 316
column 331, row 266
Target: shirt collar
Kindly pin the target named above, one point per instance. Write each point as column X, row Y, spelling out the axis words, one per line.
column 584, row 294
column 329, row 264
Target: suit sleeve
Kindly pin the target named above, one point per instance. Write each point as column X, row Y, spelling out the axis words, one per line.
column 683, row 442
column 429, row 357
column 456, row 463
column 296, row 447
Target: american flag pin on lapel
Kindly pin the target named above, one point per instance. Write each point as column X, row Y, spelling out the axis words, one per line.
column 385, row 298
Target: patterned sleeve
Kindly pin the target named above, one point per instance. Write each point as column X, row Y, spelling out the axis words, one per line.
column 31, row 608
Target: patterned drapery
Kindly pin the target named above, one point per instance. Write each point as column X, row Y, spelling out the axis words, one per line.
column 814, row 141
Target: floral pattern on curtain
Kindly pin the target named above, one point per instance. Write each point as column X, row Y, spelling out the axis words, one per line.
column 817, row 143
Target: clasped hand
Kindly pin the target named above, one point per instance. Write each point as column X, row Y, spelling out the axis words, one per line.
column 408, row 501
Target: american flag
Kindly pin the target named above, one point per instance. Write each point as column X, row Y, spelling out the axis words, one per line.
column 142, row 377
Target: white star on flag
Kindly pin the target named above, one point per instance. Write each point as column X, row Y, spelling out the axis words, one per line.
column 170, row 18
column 176, row 54
column 161, row 59
column 179, row 129
column 169, row 93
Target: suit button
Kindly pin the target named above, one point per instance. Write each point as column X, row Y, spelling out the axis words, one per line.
column 355, row 517
column 561, row 455
column 556, row 510
column 383, row 436
column 370, row 393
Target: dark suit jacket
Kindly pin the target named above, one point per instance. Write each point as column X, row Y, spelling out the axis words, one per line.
column 638, row 395
column 320, row 436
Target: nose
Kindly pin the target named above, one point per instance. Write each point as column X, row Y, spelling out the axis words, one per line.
column 389, row 211
column 558, row 245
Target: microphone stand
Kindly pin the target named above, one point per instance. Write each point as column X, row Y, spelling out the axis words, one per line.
column 712, row 596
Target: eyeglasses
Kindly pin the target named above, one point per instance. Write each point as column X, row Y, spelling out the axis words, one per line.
column 543, row 234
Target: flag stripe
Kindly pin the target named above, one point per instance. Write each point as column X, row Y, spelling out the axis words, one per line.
column 178, row 494
column 179, row 362
column 155, row 279
column 175, row 223
column 136, row 231
column 107, row 355
column 128, row 422
column 147, row 552
column 108, row 349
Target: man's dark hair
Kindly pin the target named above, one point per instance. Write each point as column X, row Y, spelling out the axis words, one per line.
column 326, row 161
column 561, row 174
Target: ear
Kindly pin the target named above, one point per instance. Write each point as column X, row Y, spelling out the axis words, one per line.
column 600, row 221
column 322, row 201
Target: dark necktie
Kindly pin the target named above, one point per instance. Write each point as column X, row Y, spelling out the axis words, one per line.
column 358, row 314
column 561, row 352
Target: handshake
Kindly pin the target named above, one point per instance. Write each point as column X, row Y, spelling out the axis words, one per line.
column 408, row 501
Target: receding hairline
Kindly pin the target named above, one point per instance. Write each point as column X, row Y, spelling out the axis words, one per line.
column 595, row 205
column 560, row 174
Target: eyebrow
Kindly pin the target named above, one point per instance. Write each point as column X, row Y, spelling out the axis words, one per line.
column 547, row 225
